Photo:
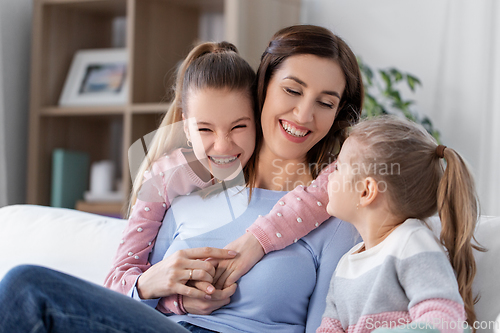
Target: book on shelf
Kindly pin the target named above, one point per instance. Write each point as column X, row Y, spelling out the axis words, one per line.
column 70, row 177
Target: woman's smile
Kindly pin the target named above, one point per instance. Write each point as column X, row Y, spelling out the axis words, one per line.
column 293, row 132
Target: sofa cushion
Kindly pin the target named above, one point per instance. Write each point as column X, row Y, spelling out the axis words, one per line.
column 74, row 242
column 486, row 283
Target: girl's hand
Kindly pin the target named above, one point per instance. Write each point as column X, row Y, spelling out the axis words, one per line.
column 170, row 275
column 204, row 306
column 230, row 270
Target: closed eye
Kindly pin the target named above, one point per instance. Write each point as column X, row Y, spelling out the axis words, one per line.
column 239, row 126
column 326, row 105
column 292, row 92
column 204, row 130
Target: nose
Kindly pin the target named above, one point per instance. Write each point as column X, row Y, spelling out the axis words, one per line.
column 223, row 144
column 304, row 112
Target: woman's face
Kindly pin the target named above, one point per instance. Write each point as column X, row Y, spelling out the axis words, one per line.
column 302, row 100
column 221, row 127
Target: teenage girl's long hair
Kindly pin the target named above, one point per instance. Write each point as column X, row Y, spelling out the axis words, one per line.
column 208, row 65
column 422, row 185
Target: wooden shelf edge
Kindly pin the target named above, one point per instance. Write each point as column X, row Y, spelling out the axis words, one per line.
column 112, row 209
column 82, row 110
column 144, row 108
column 116, row 7
column 150, row 108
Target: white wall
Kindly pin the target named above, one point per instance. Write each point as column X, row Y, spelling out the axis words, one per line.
column 453, row 46
column 15, row 30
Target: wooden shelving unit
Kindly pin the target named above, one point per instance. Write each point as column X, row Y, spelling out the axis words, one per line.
column 159, row 34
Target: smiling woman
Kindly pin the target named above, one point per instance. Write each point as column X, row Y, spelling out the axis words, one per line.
column 306, row 92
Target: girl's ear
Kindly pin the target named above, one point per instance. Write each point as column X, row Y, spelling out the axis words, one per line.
column 186, row 127
column 369, row 191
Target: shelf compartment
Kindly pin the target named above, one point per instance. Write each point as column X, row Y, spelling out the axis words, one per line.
column 165, row 31
column 144, row 123
column 99, row 136
column 67, row 27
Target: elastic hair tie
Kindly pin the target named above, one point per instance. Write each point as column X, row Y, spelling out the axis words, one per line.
column 440, row 151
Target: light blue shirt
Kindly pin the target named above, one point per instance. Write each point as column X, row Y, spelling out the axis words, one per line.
column 286, row 290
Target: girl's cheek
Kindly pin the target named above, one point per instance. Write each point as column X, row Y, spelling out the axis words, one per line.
column 330, row 185
column 203, row 147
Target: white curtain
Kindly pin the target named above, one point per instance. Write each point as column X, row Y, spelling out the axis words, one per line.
column 3, row 157
column 468, row 90
column 15, row 41
column 453, row 46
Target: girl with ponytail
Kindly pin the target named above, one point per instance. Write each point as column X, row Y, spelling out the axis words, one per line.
column 389, row 178
column 206, row 137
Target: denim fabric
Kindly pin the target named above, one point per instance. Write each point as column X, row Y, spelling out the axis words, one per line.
column 36, row 299
column 195, row 329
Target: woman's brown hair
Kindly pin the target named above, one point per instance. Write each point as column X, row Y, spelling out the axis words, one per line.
column 418, row 185
column 321, row 42
column 208, row 65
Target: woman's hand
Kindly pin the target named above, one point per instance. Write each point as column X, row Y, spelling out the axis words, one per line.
column 204, row 306
column 230, row 270
column 170, row 275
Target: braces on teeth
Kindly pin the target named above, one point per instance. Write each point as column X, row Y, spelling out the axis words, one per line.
column 223, row 160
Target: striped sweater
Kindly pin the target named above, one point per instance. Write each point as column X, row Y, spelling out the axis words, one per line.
column 405, row 278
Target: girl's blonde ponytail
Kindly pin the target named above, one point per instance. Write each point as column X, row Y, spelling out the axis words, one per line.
column 458, row 210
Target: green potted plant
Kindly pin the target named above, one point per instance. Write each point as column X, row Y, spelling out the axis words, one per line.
column 383, row 95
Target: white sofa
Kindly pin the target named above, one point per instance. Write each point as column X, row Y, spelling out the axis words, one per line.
column 84, row 244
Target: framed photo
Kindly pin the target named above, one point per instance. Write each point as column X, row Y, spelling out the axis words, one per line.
column 96, row 77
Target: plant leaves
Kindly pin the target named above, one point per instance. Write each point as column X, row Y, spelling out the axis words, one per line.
column 412, row 81
column 386, row 78
column 386, row 95
column 398, row 76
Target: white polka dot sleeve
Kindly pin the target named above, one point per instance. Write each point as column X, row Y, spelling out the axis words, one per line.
column 295, row 215
column 170, row 176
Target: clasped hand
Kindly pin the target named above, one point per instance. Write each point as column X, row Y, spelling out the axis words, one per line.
column 206, row 277
column 170, row 276
column 228, row 271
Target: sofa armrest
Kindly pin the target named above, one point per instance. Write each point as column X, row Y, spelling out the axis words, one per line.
column 74, row 242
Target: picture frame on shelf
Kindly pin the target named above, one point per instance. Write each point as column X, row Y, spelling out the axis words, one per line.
column 96, row 77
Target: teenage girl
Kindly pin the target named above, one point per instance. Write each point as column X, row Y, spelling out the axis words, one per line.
column 213, row 110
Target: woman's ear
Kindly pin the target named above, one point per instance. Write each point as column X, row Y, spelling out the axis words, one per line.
column 369, row 191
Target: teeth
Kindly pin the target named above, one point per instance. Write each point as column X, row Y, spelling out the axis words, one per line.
column 292, row 130
column 223, row 160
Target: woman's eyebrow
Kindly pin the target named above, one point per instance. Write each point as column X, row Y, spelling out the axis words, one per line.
column 302, row 83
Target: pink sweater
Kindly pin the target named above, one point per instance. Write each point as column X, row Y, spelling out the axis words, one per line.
column 294, row 216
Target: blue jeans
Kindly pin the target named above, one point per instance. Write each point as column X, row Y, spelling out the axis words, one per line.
column 36, row 299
